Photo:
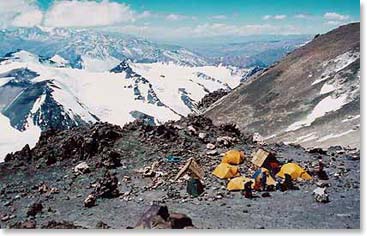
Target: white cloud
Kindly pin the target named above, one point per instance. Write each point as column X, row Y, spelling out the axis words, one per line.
column 63, row 13
column 28, row 19
column 333, row 16
column 19, row 13
column 144, row 14
column 176, row 17
column 280, row 17
column 335, row 19
column 274, row 17
column 302, row 16
column 88, row 14
column 218, row 17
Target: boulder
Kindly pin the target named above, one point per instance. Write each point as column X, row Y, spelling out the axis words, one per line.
column 180, row 221
column 212, row 152
column 82, row 168
column 191, row 129
column 102, row 225
column 257, row 138
column 317, row 151
column 107, row 187
column 320, row 195
column 210, row 146
column 43, row 188
column 202, row 135
column 90, row 201
column 34, row 209
column 225, row 141
column 158, row 217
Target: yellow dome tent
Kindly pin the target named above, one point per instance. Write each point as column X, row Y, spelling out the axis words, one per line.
column 238, row 183
column 225, row 171
column 269, row 180
column 233, row 157
column 295, row 171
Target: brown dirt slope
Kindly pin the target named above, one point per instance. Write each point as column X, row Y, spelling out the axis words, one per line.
column 289, row 92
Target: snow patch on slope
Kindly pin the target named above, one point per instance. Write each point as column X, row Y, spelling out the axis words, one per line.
column 337, row 64
column 38, row 103
column 5, row 80
column 59, row 61
column 24, row 56
column 342, row 92
column 167, row 80
column 331, row 136
column 305, row 138
column 351, row 118
column 99, row 65
column 71, row 104
column 326, row 105
column 12, row 140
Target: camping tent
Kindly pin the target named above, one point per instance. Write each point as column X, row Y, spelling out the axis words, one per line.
column 295, row 171
column 233, row 157
column 225, row 171
column 261, row 156
column 192, row 166
column 238, row 183
column 269, row 180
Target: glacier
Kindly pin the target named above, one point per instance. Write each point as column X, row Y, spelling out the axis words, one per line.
column 57, row 95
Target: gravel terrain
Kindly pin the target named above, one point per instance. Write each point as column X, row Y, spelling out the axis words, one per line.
column 46, row 175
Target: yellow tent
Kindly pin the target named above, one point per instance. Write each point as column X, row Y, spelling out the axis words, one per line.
column 233, row 157
column 225, row 171
column 295, row 171
column 269, row 180
column 238, row 183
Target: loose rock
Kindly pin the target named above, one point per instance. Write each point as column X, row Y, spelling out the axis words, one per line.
column 82, row 168
column 34, row 209
column 90, row 201
column 320, row 195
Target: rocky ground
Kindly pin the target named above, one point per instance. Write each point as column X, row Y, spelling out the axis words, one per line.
column 106, row 176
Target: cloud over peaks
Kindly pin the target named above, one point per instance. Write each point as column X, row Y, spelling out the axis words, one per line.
column 87, row 14
column 19, row 13
column 335, row 16
column 274, row 17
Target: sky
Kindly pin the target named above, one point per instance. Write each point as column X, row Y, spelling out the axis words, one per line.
column 171, row 20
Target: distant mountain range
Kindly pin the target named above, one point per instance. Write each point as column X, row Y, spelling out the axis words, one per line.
column 100, row 51
column 41, row 93
column 59, row 78
column 94, row 50
column 261, row 52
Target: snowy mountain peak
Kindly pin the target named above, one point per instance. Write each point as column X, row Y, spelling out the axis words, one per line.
column 59, row 61
column 93, row 50
column 21, row 56
column 124, row 67
column 38, row 93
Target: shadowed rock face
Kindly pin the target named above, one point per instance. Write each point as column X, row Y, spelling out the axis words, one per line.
column 210, row 98
column 310, row 97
